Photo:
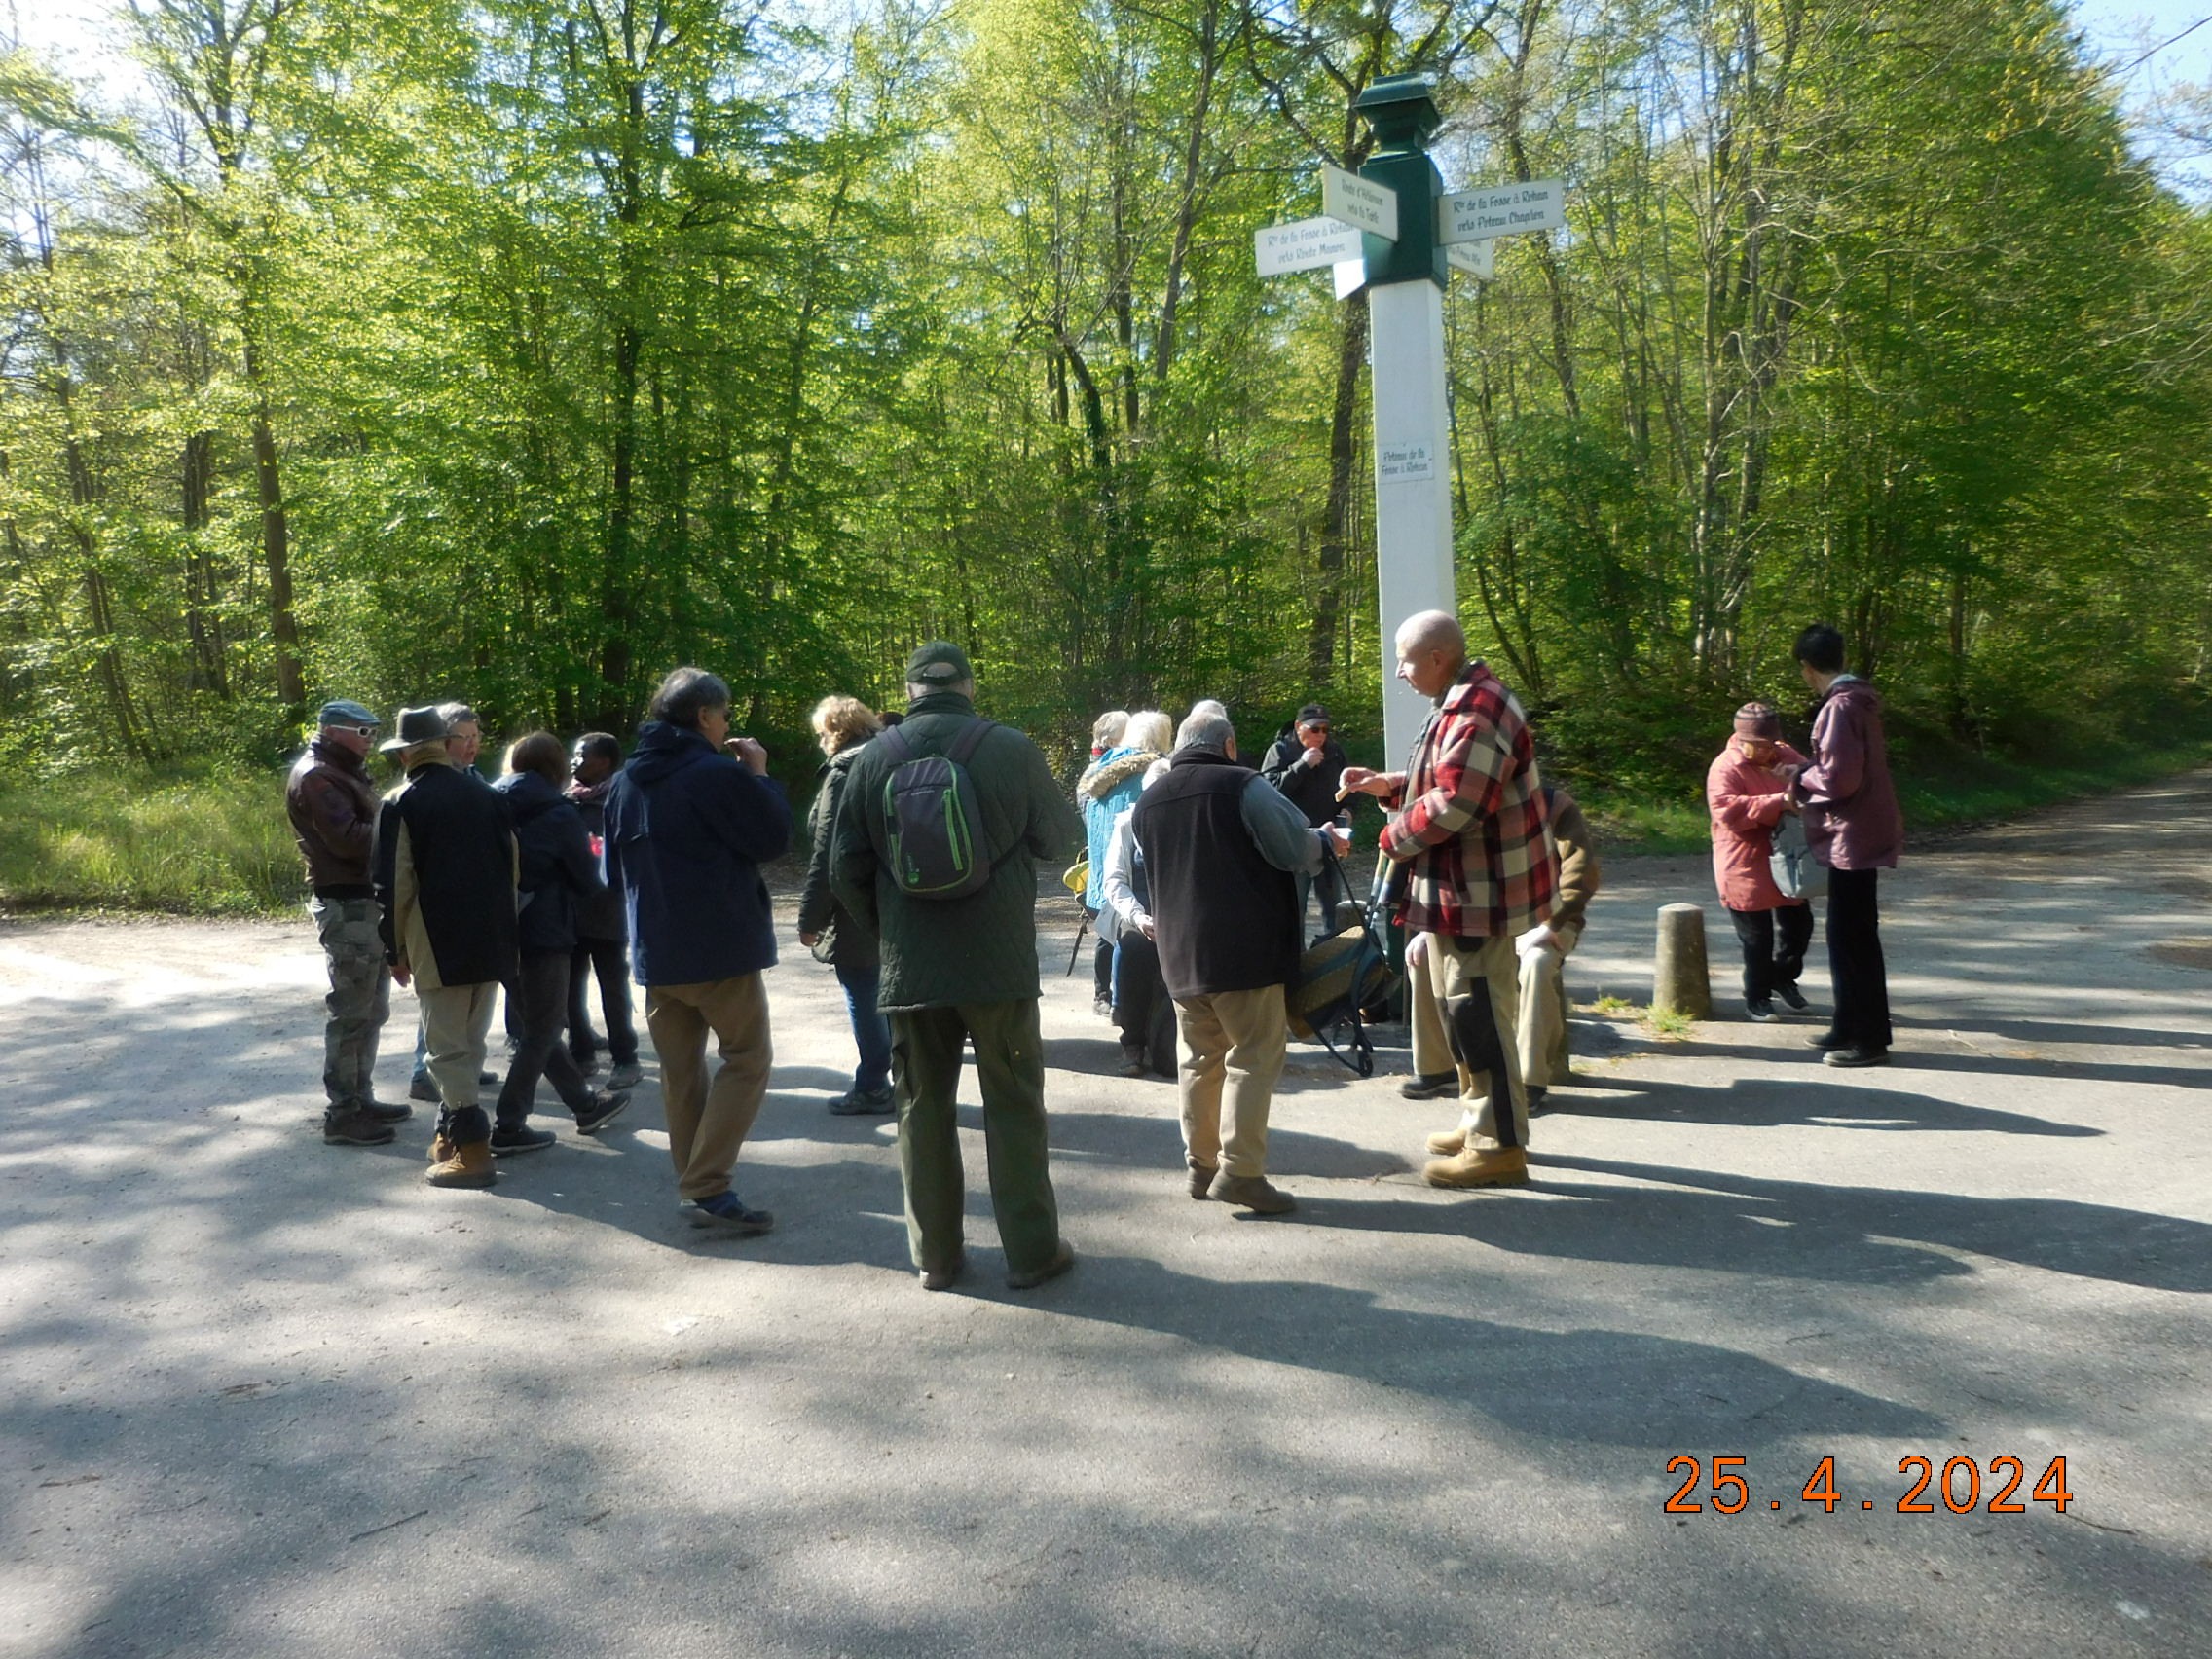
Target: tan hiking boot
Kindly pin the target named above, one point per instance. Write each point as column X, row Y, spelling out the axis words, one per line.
column 1481, row 1167
column 1448, row 1143
column 470, row 1165
column 1201, row 1180
column 441, row 1147
column 1254, row 1192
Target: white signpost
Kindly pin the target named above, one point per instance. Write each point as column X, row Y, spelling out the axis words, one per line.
column 1305, row 245
column 1478, row 259
column 1477, row 215
column 1412, row 476
column 1360, row 201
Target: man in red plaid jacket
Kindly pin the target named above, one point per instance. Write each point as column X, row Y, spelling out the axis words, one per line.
column 1480, row 872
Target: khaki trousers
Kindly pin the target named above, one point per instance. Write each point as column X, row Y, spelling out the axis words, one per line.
column 707, row 1124
column 1432, row 1050
column 456, row 1020
column 1542, row 1027
column 1233, row 1039
column 927, row 1046
column 1478, row 983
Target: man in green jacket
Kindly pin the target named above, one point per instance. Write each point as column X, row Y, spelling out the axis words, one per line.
column 962, row 969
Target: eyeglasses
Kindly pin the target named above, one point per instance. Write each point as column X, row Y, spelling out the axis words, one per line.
column 1323, row 729
column 359, row 730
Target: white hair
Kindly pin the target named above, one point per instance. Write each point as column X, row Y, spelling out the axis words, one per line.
column 1150, row 728
column 1204, row 729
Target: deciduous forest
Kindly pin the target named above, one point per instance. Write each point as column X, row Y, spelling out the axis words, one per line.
column 518, row 350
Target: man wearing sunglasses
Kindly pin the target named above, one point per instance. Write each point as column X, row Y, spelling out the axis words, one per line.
column 332, row 805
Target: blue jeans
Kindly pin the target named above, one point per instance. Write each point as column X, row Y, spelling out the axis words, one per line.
column 871, row 1032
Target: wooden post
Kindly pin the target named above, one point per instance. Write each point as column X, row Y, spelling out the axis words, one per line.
column 1678, row 981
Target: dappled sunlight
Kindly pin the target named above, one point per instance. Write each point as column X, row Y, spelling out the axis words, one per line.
column 262, row 1382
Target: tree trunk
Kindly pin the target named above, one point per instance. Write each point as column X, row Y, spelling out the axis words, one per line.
column 1337, row 515
column 275, row 526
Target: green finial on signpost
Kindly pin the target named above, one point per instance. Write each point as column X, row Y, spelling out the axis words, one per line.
column 1401, row 110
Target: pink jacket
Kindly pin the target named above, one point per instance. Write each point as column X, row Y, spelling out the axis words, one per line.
column 1746, row 803
column 1852, row 820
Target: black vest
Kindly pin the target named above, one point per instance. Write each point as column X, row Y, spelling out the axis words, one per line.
column 1227, row 920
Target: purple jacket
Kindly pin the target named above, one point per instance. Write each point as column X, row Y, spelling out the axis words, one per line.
column 1850, row 807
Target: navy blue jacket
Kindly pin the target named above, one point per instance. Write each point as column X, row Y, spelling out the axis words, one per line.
column 557, row 866
column 687, row 831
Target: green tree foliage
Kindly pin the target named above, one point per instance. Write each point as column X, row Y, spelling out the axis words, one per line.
column 517, row 351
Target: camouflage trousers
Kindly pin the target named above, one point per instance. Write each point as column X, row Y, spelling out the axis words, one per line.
column 360, row 1000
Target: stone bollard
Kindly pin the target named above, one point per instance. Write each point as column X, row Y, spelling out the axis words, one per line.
column 1678, row 980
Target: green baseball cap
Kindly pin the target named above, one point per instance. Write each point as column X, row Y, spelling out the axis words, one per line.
column 941, row 662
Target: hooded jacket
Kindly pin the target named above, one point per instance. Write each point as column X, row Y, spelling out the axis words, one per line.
column 687, row 831
column 558, row 870
column 1108, row 788
column 1852, row 820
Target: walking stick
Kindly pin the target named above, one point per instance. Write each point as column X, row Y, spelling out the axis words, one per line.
column 1075, row 950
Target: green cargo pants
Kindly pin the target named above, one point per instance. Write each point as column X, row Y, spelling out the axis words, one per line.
column 360, row 1000
column 926, row 1050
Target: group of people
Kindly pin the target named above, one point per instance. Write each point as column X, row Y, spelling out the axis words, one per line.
column 926, row 834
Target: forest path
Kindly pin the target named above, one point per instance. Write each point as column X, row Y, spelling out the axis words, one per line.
column 258, row 1396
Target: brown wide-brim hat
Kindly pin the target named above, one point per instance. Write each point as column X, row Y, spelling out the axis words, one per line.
column 417, row 725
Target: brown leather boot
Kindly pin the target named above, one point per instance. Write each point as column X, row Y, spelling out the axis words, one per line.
column 441, row 1147
column 471, row 1165
column 1448, row 1143
column 1254, row 1192
column 1481, row 1167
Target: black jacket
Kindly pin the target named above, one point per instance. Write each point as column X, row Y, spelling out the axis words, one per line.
column 598, row 917
column 1312, row 789
column 1226, row 919
column 460, row 842
column 558, row 871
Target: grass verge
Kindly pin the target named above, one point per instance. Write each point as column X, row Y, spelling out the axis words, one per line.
column 188, row 843
column 214, row 840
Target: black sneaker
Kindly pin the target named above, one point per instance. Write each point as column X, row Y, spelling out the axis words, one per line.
column 1761, row 1009
column 625, row 1074
column 1854, row 1055
column 604, row 1109
column 422, row 1087
column 388, row 1111
column 1794, row 997
column 507, row 1142
column 1418, row 1087
column 727, row 1211
column 1539, row 1100
column 350, row 1125
column 1828, row 1040
column 864, row 1102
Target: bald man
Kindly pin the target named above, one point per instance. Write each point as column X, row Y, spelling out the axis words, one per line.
column 1469, row 824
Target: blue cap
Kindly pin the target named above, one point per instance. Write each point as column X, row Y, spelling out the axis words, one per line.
column 342, row 711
